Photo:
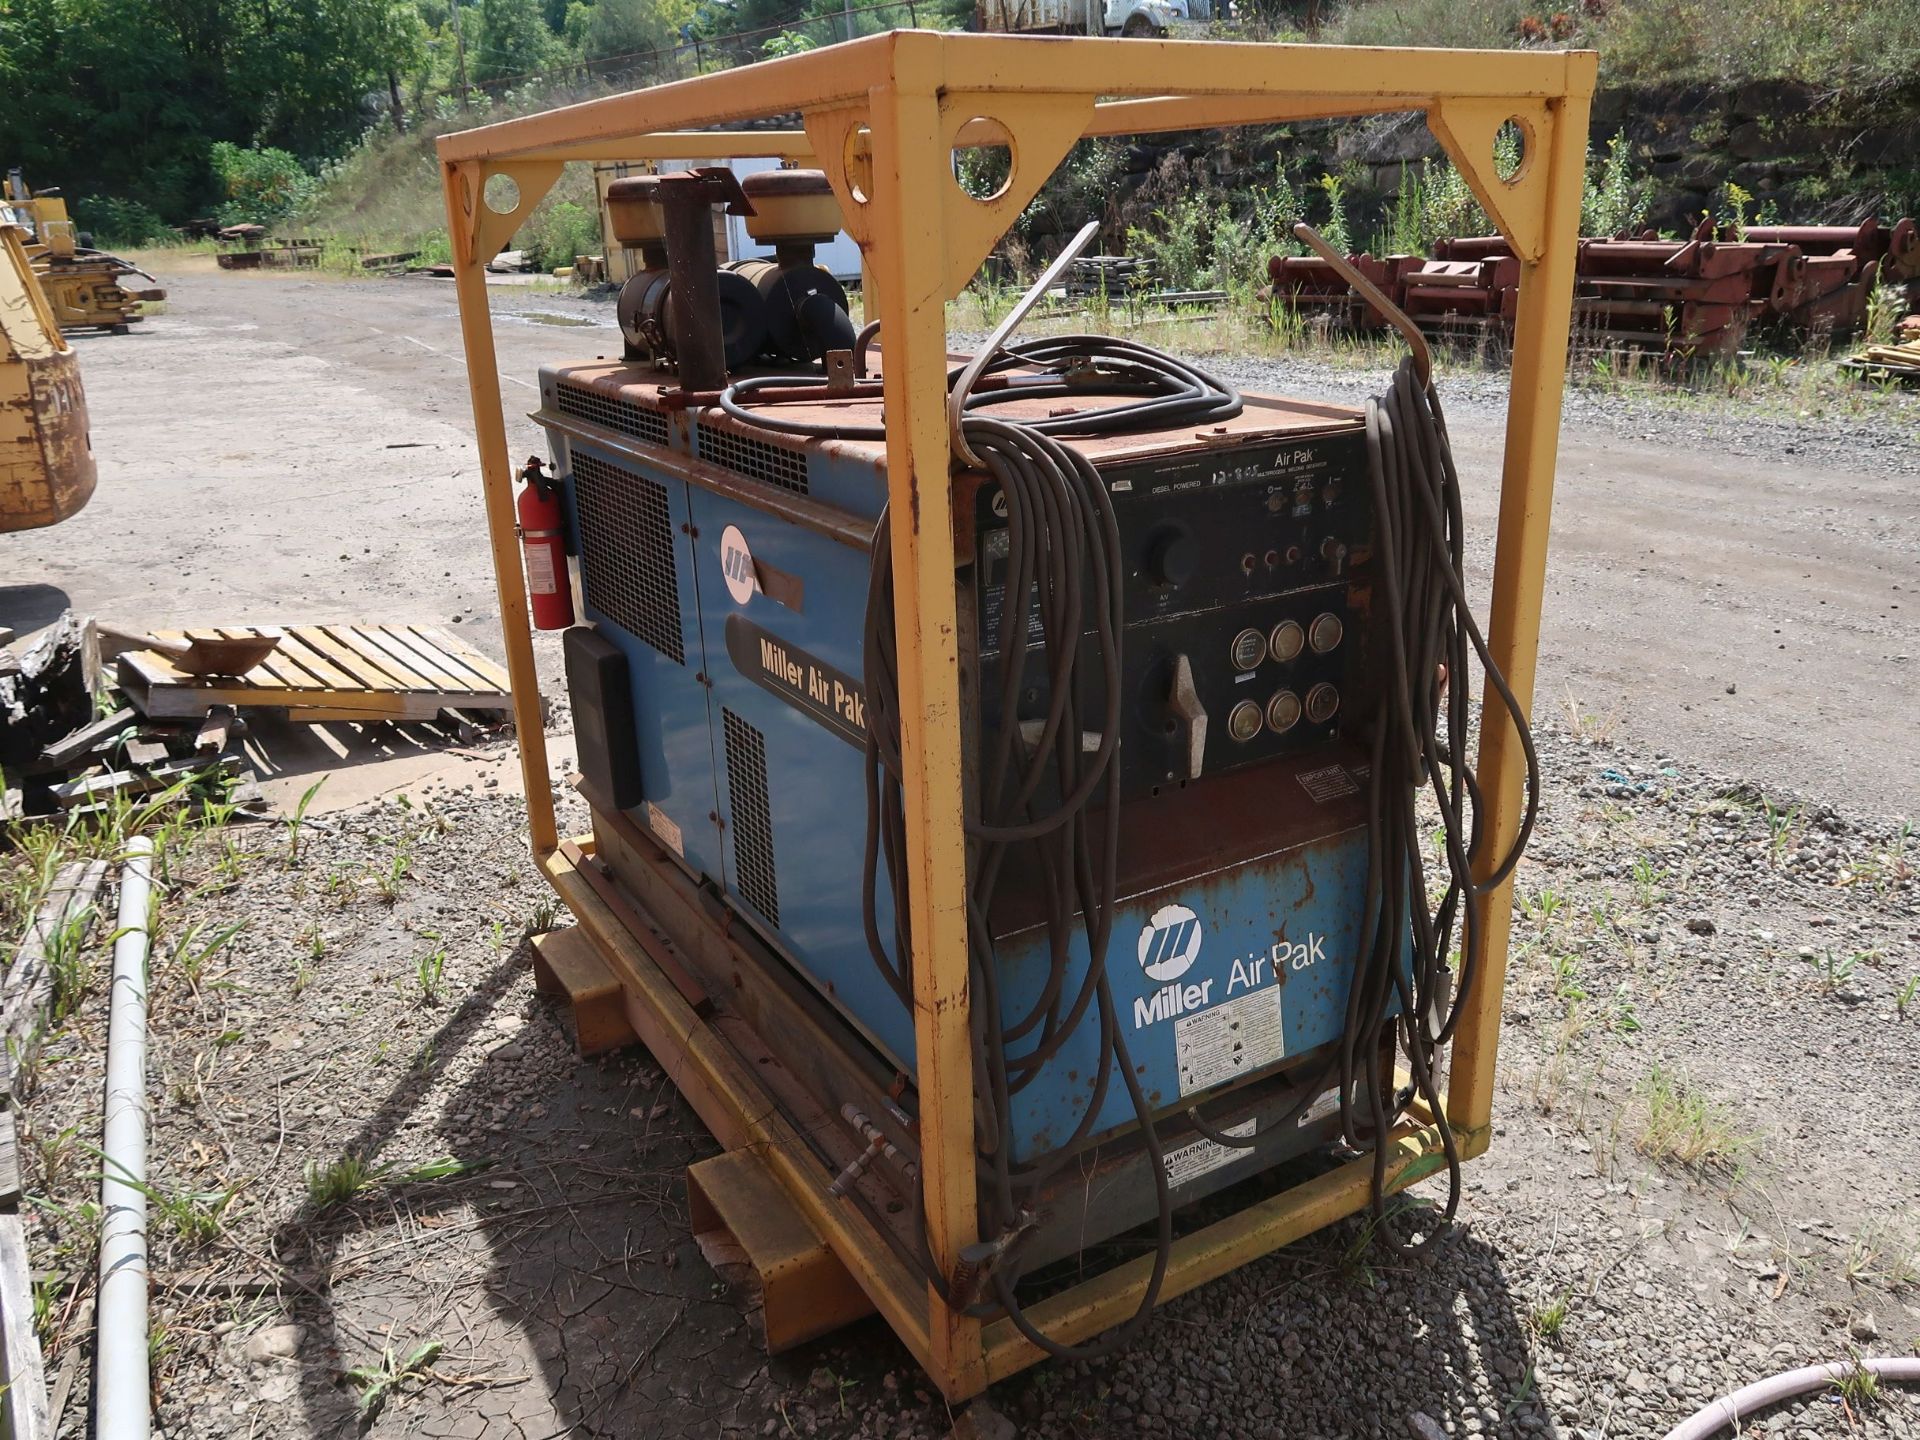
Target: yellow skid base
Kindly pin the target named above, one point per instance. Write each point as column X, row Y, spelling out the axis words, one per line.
column 566, row 963
column 789, row 1249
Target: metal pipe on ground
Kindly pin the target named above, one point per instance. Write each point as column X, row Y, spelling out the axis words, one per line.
column 121, row 1380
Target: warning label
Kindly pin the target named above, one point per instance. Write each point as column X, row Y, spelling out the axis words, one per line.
column 667, row 829
column 1325, row 1103
column 1203, row 1156
column 1229, row 1040
column 1329, row 782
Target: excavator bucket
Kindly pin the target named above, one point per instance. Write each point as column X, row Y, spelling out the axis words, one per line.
column 46, row 458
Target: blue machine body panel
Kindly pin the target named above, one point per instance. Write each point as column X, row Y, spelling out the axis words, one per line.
column 1215, row 977
column 1234, row 963
column 785, row 676
column 673, row 727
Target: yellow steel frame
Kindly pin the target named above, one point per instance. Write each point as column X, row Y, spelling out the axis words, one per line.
column 882, row 117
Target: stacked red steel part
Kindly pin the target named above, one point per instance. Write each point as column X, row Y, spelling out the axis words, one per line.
column 1696, row 298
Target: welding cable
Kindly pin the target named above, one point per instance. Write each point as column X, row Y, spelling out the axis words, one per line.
column 1173, row 392
column 1402, row 981
column 1041, row 793
column 1157, row 390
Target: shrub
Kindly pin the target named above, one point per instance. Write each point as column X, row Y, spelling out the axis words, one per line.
column 557, row 231
column 263, row 185
column 115, row 222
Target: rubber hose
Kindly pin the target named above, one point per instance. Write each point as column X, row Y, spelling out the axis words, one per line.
column 1731, row 1409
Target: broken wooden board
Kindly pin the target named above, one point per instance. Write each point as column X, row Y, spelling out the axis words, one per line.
column 23, row 1383
column 321, row 673
column 29, row 981
column 90, row 789
column 87, row 738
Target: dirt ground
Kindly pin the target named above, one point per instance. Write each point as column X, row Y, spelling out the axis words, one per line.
column 1705, row 1159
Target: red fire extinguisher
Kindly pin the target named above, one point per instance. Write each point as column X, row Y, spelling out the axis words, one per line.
column 543, row 545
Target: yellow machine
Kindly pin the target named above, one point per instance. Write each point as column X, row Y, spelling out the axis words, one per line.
column 46, row 461
column 82, row 285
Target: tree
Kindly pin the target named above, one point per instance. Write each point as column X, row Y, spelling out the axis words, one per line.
column 513, row 40
column 599, row 28
column 126, row 98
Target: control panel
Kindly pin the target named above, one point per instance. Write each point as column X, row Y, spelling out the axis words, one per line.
column 1245, row 603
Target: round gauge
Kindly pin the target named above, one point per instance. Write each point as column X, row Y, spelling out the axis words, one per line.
column 1283, row 712
column 1286, row 641
column 1243, row 721
column 1322, row 703
column 1248, row 647
column 1325, row 632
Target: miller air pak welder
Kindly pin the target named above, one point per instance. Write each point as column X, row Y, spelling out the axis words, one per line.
column 1205, row 641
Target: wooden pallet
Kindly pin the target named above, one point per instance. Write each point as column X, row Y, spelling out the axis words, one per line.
column 320, row 673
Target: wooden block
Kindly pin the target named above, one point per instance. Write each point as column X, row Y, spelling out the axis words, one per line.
column 211, row 738
column 566, row 962
column 146, row 754
column 25, row 1381
column 737, row 1208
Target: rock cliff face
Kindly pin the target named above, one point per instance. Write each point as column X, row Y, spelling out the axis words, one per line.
column 1813, row 156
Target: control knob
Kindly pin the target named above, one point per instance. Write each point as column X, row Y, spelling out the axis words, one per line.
column 1172, row 555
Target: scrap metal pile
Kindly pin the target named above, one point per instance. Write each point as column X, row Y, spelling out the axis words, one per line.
column 1697, row 298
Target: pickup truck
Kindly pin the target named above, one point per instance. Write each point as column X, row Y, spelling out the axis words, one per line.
column 1089, row 17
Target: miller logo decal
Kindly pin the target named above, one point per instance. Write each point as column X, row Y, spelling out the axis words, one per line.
column 736, row 565
column 1169, row 943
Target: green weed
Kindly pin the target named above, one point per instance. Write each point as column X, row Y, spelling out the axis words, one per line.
column 1547, row 1321
column 1684, row 1126
column 379, row 1381
column 298, row 818
column 430, row 975
column 345, row 1179
column 192, row 957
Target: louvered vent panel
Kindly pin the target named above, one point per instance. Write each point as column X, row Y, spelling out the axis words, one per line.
column 757, row 459
column 750, row 818
column 627, row 552
column 615, row 412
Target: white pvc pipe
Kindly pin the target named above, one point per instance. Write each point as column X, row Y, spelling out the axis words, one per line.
column 1729, row 1410
column 121, row 1381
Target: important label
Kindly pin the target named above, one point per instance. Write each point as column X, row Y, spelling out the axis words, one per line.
column 667, row 830
column 1189, row 1162
column 1329, row 782
column 1230, row 1040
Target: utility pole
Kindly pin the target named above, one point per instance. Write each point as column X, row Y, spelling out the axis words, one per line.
column 460, row 53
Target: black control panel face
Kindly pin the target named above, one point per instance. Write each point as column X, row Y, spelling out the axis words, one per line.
column 1246, row 601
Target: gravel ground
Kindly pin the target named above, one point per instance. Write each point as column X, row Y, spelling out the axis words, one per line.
column 1705, row 1155
column 1702, row 1172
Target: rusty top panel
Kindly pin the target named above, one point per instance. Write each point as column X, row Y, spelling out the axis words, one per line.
column 1264, row 417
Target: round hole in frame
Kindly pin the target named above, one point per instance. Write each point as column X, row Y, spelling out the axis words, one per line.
column 1512, row 150
column 983, row 167
column 502, row 194
column 856, row 158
